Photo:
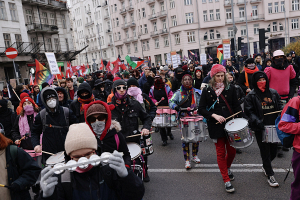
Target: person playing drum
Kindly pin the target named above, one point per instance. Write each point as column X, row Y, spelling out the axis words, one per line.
column 186, row 97
column 261, row 100
column 221, row 97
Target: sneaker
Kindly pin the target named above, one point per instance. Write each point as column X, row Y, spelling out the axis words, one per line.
column 229, row 187
column 195, row 159
column 272, row 182
column 264, row 171
column 285, row 149
column 188, row 164
column 230, row 174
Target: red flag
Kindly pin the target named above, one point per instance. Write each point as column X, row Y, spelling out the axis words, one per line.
column 101, row 65
column 108, row 66
column 31, row 80
column 82, row 68
column 118, row 64
column 69, row 72
column 58, row 76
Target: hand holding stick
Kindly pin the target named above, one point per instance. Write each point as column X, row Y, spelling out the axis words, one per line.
column 231, row 116
column 138, row 135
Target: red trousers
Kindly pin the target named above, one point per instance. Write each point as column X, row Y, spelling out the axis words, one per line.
column 225, row 157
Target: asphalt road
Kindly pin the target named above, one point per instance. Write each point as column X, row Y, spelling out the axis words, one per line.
column 169, row 180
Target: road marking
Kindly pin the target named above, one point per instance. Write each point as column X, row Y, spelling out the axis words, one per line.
column 213, row 170
column 233, row 165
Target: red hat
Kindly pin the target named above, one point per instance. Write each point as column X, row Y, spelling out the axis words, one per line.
column 116, row 78
column 27, row 99
column 216, row 69
column 187, row 75
column 24, row 94
column 185, row 67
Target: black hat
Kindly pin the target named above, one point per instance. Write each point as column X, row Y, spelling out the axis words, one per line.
column 216, row 61
column 45, row 85
column 292, row 52
column 117, row 83
column 98, row 82
column 49, row 94
column 249, row 60
column 132, row 81
column 288, row 55
column 258, row 55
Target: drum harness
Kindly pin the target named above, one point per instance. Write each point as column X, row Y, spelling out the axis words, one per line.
column 44, row 114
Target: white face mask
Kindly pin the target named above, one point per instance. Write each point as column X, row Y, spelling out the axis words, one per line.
column 51, row 103
column 98, row 127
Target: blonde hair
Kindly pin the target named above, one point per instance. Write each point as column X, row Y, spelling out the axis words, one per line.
column 260, row 60
column 212, row 81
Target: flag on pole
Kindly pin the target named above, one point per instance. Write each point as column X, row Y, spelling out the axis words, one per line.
column 101, row 65
column 117, row 63
column 42, row 75
column 58, row 76
column 69, row 72
column 108, row 66
column 87, row 71
column 191, row 52
column 220, row 56
column 134, row 62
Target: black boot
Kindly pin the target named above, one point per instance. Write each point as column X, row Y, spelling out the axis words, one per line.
column 147, row 178
column 165, row 143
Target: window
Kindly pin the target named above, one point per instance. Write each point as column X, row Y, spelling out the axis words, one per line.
column 212, row 34
column 153, row 10
column 162, row 6
column 295, row 4
column 275, row 7
column 254, row 11
column 134, row 32
column 205, row 15
column 56, row 44
column 172, row 3
column 270, row 7
column 104, row 54
column 174, row 21
column 144, row 12
column 148, row 45
column 282, row 6
column 210, row 1
column 217, row 14
column 230, row 32
column 119, row 35
column 211, row 15
column 127, row 34
column 187, row 2
column 228, row 14
column 205, row 36
column 203, row 1
column 164, row 24
column 28, row 16
column 128, row 49
column 116, row 8
column 18, row 38
column 256, row 29
column 242, row 12
column 269, row 27
column 156, row 42
column 67, row 44
column 2, row 11
column 166, row 41
column 13, row 11
column 154, row 26
column 191, row 36
column 295, row 23
column 274, row 26
column 135, row 47
column 139, row 13
column 110, row 39
column 243, row 31
column 7, row 40
column 218, row 34
column 44, row 18
column 280, row 27
column 117, row 22
column 145, row 28
column 144, row 46
column 52, row 19
column 63, row 19
column 49, row 44
column 189, row 18
column 177, row 39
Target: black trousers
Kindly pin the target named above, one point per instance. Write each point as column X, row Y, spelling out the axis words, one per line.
column 164, row 132
column 268, row 152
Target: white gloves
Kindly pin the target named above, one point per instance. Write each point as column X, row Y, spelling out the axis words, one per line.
column 48, row 183
column 116, row 162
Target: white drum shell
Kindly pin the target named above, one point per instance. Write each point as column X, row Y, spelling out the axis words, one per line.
column 269, row 135
column 193, row 131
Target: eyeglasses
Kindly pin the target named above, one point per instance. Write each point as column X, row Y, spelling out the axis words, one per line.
column 99, row 118
column 85, row 155
column 119, row 87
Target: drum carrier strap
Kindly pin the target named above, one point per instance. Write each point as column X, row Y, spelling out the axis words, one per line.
column 221, row 95
column 44, row 114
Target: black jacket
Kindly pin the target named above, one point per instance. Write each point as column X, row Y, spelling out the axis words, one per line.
column 24, row 172
column 66, row 102
column 242, row 80
column 129, row 117
column 239, row 93
column 101, row 95
column 207, row 99
column 7, row 119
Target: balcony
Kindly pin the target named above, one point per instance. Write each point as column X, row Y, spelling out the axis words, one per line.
column 243, row 19
column 125, row 25
column 127, row 40
column 42, row 28
column 89, row 24
column 150, row 1
column 106, row 16
column 164, row 31
column 104, row 4
column 132, row 24
column 152, row 17
column 130, row 8
column 88, row 12
column 122, row 11
column 227, row 3
column 162, row 14
column 108, row 30
column 154, row 33
column 52, row 4
column 255, row 1
column 241, row 2
column 134, row 39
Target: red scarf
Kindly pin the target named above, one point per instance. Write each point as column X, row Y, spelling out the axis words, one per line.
column 249, row 71
column 85, row 101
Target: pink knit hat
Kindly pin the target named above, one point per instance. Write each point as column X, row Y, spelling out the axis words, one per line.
column 216, row 69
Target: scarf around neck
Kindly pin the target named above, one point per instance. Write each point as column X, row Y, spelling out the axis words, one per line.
column 219, row 87
column 249, row 71
column 136, row 93
column 85, row 101
column 23, row 124
column 184, row 92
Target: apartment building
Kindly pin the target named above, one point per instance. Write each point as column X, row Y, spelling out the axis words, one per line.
column 155, row 27
column 33, row 27
column 93, row 33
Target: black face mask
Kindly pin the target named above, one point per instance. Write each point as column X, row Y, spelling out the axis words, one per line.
column 84, row 97
column 278, row 61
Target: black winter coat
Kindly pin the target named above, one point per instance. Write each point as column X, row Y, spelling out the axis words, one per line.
column 53, row 138
column 128, row 118
column 242, row 80
column 254, row 111
column 102, row 96
column 24, row 172
column 7, row 119
column 240, row 94
column 208, row 98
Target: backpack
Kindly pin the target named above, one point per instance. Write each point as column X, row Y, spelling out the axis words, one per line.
column 44, row 114
column 285, row 138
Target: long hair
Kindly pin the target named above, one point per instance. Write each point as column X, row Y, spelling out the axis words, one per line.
column 34, row 108
column 260, row 60
column 212, row 81
column 4, row 141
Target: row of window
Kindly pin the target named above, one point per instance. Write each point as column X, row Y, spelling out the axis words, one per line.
column 12, row 9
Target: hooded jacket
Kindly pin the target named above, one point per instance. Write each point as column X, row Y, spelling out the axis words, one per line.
column 7, row 118
column 107, row 142
column 53, row 137
column 253, row 106
column 66, row 102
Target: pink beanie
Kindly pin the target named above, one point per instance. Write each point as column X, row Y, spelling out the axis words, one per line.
column 216, row 69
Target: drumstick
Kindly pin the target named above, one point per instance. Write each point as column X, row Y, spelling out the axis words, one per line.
column 1, row 185
column 231, row 116
column 60, row 154
column 52, row 154
column 273, row 112
column 137, row 135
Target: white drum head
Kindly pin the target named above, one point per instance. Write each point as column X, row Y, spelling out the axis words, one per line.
column 134, row 150
column 57, row 158
column 236, row 124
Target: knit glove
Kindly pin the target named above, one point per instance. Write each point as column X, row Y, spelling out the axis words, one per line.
column 48, row 183
column 116, row 162
column 14, row 187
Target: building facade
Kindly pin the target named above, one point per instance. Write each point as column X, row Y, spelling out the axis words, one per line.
column 34, row 27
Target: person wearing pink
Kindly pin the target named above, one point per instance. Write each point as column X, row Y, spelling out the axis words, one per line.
column 281, row 75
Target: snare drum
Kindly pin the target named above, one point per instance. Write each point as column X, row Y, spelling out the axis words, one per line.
column 57, row 158
column 165, row 117
column 136, row 158
column 269, row 135
column 239, row 135
column 193, row 129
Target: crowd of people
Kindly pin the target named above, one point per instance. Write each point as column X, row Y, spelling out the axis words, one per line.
column 81, row 117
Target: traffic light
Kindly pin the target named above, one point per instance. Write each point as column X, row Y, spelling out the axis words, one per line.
column 240, row 43
column 262, row 38
column 232, row 44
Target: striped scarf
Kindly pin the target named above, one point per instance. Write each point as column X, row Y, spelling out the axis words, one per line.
column 184, row 92
column 85, row 101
